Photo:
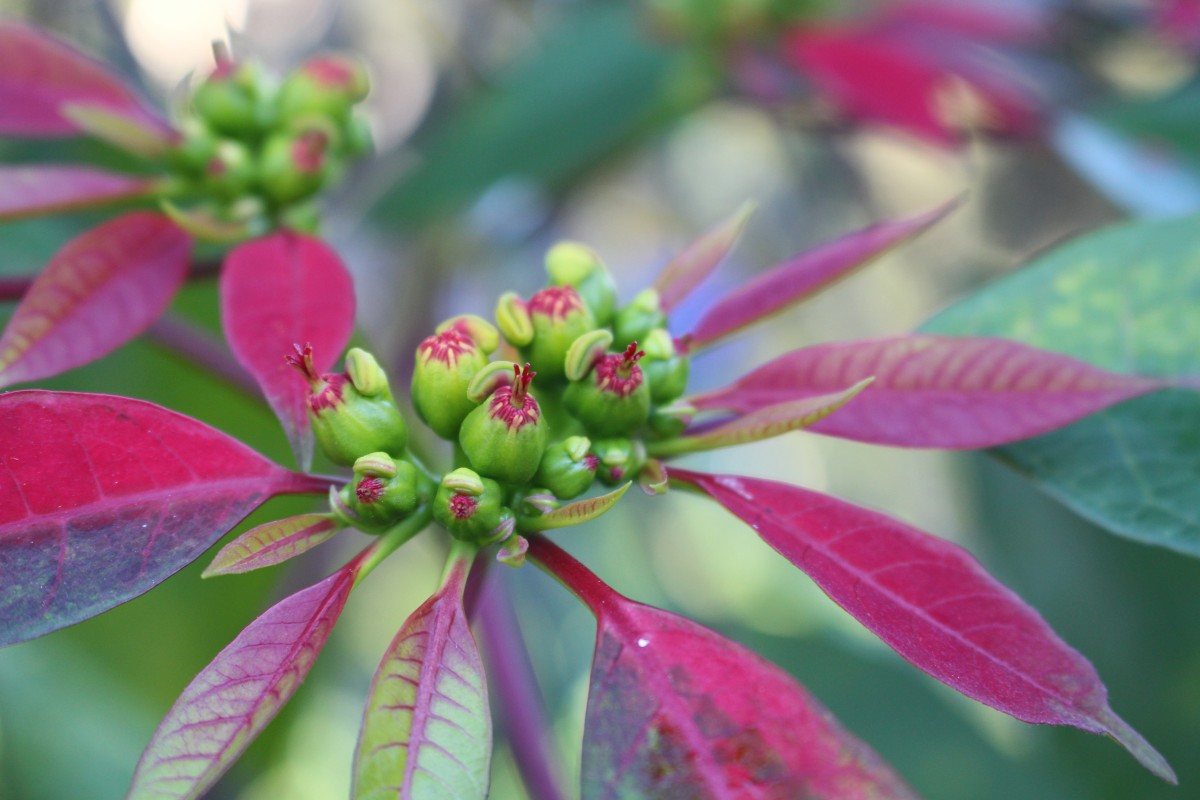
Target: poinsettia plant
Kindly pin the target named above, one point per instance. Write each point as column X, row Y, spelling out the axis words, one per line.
column 244, row 164
column 552, row 410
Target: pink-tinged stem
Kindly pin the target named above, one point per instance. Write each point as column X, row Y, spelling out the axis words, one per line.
column 203, row 349
column 522, row 710
column 578, row 579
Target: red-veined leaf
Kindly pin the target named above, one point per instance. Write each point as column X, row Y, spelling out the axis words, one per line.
column 675, row 710
column 100, row 290
column 31, row 190
column 688, row 269
column 935, row 391
column 272, row 543
column 426, row 730
column 761, row 423
column 278, row 291
column 576, row 512
column 806, row 274
column 102, row 498
column 241, row 690
column 933, row 604
column 42, row 75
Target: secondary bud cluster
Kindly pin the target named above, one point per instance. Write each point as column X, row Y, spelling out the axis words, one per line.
column 590, row 383
column 252, row 152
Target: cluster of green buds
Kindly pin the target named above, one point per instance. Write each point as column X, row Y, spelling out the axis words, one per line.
column 256, row 151
column 607, row 381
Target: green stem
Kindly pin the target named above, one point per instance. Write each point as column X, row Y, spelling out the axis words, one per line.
column 386, row 544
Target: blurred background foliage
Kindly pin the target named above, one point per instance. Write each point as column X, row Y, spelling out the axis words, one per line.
column 502, row 127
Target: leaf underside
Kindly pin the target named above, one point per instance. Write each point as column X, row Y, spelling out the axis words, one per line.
column 426, row 729
column 102, row 498
column 932, row 603
column 232, row 699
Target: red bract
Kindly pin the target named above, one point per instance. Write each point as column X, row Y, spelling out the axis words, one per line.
column 920, row 67
column 100, row 290
column 35, row 190
column 931, row 602
column 102, row 498
column 43, row 79
column 276, row 291
column 675, row 710
column 931, row 391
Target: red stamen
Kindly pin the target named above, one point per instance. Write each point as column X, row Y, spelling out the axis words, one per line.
column 303, row 361
column 591, row 462
column 628, row 359
column 520, row 386
column 462, row 506
column 369, row 490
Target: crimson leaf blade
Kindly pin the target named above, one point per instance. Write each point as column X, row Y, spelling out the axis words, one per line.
column 806, row 274
column 232, row 699
column 935, row 391
column 102, row 498
column 99, row 291
column 931, row 602
column 278, row 291
column 675, row 710
column 426, row 729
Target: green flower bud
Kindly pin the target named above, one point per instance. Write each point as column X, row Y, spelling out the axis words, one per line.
column 472, row 507
column 359, row 141
column 504, row 437
column 347, row 423
column 196, row 146
column 614, row 400
column 445, row 364
column 578, row 266
column 620, row 459
column 232, row 99
column 230, row 170
column 295, row 164
column 384, row 491
column 634, row 322
column 567, row 468
column 665, row 367
column 559, row 317
column 326, row 85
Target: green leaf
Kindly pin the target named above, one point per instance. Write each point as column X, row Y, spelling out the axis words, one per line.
column 1126, row 299
column 592, row 83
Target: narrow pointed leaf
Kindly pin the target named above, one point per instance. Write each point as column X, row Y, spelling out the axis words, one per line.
column 205, row 225
column 118, row 130
column 102, row 498
column 933, row 604
column 1126, row 299
column 99, row 291
column 934, row 391
column 576, row 512
column 426, row 731
column 32, row 190
column 761, row 423
column 42, row 75
column 688, row 269
column 806, row 274
column 278, row 291
column 232, row 699
column 272, row 543
column 675, row 710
